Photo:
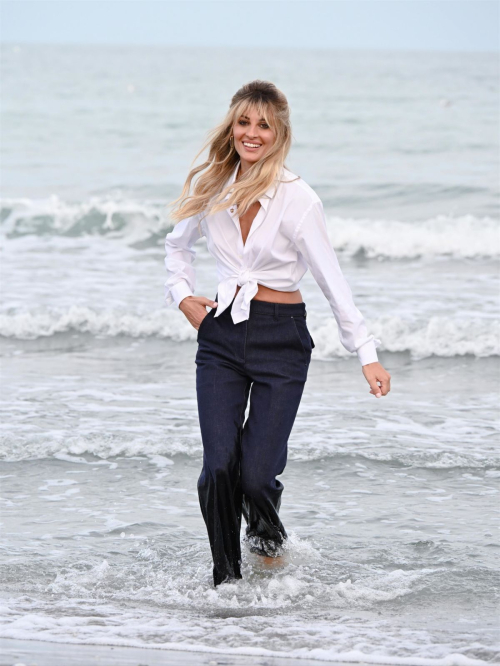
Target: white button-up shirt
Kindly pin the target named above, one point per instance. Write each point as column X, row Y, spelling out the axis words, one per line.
column 287, row 236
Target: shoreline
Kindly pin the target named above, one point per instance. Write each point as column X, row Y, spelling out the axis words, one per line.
column 25, row 652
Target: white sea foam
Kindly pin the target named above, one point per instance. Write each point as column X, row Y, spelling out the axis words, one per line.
column 115, row 218
column 459, row 237
column 439, row 336
column 137, row 221
column 341, row 639
column 95, row 448
column 148, row 602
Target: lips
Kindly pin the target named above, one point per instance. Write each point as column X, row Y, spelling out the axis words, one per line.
column 251, row 146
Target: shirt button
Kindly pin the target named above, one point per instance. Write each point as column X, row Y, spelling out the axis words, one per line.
column 232, row 210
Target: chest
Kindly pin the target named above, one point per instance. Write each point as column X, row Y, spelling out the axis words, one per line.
column 247, row 219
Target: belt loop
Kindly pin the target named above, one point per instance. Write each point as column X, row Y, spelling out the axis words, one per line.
column 276, row 313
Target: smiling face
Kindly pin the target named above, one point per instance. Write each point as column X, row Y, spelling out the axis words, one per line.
column 252, row 138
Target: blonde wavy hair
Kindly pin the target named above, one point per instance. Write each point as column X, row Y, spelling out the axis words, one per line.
column 209, row 191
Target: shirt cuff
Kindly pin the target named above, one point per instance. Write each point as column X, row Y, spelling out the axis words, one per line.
column 367, row 353
column 179, row 291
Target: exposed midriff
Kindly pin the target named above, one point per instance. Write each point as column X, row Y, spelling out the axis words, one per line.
column 275, row 296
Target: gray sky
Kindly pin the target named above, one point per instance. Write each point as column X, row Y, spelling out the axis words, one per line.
column 443, row 25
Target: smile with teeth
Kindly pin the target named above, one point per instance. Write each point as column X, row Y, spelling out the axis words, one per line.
column 251, row 145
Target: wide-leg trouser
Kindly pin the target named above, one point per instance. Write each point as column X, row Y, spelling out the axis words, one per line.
column 267, row 358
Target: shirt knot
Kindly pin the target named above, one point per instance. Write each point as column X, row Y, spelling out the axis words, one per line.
column 243, row 277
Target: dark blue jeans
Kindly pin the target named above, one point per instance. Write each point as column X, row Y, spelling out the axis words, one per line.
column 267, row 358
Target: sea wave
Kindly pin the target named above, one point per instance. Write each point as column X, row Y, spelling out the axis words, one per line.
column 439, row 336
column 154, row 629
column 97, row 448
column 460, row 237
column 138, row 222
column 145, row 224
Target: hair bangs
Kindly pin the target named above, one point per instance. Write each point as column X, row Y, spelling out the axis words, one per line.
column 260, row 106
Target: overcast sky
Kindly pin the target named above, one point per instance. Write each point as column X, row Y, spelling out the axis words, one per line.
column 444, row 25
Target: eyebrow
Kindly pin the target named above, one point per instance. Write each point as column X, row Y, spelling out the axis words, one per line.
column 249, row 118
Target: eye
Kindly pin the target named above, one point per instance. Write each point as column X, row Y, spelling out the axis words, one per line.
column 263, row 125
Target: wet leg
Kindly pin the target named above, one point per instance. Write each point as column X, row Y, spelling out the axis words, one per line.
column 274, row 401
column 222, row 392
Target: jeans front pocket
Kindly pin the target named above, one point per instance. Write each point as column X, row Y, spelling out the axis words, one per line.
column 200, row 327
column 303, row 336
column 308, row 331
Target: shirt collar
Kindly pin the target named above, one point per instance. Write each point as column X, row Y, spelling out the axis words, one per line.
column 264, row 199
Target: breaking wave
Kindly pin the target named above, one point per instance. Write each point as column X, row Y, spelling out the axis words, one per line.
column 145, row 223
column 439, row 336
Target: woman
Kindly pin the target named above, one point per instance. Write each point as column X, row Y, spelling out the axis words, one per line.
column 265, row 227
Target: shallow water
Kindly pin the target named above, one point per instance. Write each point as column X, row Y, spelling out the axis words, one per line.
column 388, row 504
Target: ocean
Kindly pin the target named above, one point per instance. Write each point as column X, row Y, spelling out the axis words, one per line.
column 391, row 505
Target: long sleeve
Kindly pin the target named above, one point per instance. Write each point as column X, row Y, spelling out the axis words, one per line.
column 179, row 258
column 311, row 239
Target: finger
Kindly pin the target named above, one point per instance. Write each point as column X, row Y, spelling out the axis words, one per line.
column 385, row 385
column 375, row 389
column 209, row 302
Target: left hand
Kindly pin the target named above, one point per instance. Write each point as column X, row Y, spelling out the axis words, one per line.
column 375, row 372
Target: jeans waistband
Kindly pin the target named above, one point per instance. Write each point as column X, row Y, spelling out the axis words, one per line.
column 276, row 309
